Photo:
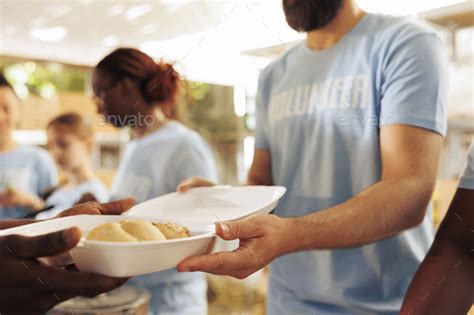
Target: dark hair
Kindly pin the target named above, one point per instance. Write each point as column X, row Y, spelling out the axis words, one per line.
column 75, row 124
column 4, row 82
column 159, row 82
column 309, row 15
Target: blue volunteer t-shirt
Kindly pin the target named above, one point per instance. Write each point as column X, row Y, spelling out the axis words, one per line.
column 319, row 113
column 26, row 168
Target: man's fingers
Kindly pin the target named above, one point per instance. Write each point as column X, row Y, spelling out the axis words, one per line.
column 94, row 208
column 51, row 244
column 237, row 230
column 79, row 209
column 116, row 207
column 87, row 197
column 228, row 263
column 185, row 185
column 194, row 182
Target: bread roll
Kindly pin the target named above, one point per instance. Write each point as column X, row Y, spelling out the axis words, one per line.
column 137, row 231
column 172, row 231
column 142, row 230
column 110, row 232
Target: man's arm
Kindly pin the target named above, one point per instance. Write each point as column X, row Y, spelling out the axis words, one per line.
column 397, row 202
column 444, row 283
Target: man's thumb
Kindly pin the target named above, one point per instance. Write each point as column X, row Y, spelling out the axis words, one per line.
column 236, row 230
column 117, row 207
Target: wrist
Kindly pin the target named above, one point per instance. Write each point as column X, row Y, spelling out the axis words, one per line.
column 292, row 235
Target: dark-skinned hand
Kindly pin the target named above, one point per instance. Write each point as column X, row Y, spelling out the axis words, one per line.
column 30, row 286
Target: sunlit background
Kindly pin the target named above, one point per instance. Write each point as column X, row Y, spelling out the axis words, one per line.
column 192, row 33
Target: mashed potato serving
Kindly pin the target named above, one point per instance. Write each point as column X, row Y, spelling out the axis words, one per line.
column 137, row 231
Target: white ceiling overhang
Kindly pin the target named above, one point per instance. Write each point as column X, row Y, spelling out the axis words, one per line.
column 206, row 38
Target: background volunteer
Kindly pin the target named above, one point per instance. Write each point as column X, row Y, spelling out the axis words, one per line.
column 26, row 171
column 133, row 90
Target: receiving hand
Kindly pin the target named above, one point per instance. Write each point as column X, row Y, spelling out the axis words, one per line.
column 29, row 286
column 262, row 239
column 90, row 208
column 87, row 197
column 110, row 208
column 192, row 182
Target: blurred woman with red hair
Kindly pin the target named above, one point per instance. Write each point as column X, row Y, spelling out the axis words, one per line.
column 133, row 90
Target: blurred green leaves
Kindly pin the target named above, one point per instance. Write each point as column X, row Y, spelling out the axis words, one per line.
column 44, row 79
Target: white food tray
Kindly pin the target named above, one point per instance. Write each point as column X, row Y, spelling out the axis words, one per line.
column 197, row 209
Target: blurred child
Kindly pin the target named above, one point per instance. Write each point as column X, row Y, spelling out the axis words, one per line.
column 25, row 171
column 71, row 142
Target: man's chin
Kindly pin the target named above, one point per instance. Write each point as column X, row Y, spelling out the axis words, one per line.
column 310, row 15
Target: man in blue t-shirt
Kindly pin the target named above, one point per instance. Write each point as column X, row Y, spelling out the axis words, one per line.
column 351, row 121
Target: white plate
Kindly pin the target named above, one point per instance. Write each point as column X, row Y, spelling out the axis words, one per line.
column 212, row 204
column 196, row 209
column 123, row 259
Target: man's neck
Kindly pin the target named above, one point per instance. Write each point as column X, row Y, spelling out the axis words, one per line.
column 347, row 17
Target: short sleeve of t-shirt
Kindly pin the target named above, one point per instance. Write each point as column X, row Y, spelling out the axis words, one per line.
column 414, row 87
column 466, row 180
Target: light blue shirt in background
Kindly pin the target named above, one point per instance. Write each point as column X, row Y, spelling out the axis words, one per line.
column 65, row 197
column 153, row 166
column 320, row 114
column 26, row 168
column 466, row 180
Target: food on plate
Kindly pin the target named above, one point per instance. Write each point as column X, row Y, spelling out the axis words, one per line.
column 137, row 231
column 111, row 232
column 142, row 230
column 172, row 231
